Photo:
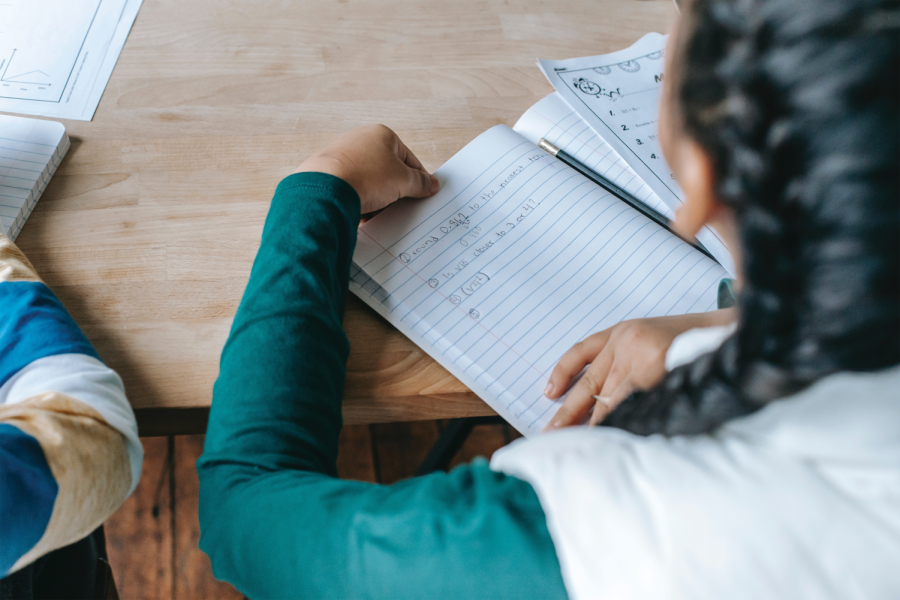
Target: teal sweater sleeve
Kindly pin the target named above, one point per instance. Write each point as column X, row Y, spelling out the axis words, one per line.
column 274, row 518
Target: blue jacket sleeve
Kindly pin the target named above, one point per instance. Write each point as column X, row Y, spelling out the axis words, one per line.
column 25, row 481
column 69, row 450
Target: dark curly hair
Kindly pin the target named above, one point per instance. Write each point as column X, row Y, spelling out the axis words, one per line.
column 796, row 102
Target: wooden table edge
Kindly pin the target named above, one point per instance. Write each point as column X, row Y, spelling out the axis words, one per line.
column 189, row 420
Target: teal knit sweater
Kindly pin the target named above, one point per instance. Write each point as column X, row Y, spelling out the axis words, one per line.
column 275, row 519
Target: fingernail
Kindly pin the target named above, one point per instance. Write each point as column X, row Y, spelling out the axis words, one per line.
column 435, row 184
column 553, row 425
column 549, row 389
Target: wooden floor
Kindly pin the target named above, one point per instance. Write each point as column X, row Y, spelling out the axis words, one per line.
column 152, row 540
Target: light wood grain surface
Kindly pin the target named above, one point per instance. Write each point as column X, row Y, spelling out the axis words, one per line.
column 148, row 230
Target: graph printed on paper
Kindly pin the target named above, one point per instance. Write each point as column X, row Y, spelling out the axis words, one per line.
column 40, row 46
column 56, row 56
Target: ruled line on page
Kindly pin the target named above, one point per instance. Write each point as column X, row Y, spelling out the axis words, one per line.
column 537, row 240
column 450, row 201
column 485, row 328
column 492, row 229
column 553, row 110
column 548, row 163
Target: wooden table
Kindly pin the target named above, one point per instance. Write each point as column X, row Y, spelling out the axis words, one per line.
column 149, row 228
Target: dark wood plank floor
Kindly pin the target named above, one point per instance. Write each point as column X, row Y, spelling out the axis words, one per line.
column 152, row 540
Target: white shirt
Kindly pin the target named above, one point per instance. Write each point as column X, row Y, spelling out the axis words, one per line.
column 798, row 500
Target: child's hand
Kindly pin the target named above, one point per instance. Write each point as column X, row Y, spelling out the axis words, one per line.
column 627, row 356
column 377, row 164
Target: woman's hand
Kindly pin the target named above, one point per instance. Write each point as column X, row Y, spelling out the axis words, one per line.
column 628, row 356
column 376, row 164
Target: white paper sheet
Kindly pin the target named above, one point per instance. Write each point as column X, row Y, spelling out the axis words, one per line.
column 56, row 56
column 516, row 259
column 30, row 152
column 618, row 96
column 557, row 122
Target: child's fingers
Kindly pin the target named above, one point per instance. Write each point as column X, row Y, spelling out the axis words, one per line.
column 573, row 361
column 416, row 181
column 418, row 184
column 407, row 156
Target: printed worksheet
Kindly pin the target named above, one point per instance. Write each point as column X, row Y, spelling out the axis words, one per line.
column 554, row 120
column 517, row 258
column 618, row 96
column 56, row 56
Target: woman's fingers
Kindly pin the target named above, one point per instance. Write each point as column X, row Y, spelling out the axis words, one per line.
column 573, row 361
column 572, row 412
column 618, row 373
column 581, row 397
column 601, row 409
column 606, row 404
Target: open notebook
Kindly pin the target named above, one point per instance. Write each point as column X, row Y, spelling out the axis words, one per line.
column 30, row 152
column 516, row 259
column 519, row 256
column 613, row 100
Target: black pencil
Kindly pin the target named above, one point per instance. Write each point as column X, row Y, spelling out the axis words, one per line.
column 618, row 192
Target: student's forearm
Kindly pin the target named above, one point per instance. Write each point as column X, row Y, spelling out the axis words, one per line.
column 277, row 399
column 274, row 520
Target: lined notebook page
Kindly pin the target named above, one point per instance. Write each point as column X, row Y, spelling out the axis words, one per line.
column 555, row 121
column 618, row 96
column 516, row 259
column 30, row 152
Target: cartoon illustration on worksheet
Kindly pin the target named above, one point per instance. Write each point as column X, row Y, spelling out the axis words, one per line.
column 618, row 96
column 592, row 89
column 621, row 92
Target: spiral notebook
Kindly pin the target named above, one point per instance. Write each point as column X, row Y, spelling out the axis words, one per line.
column 30, row 152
